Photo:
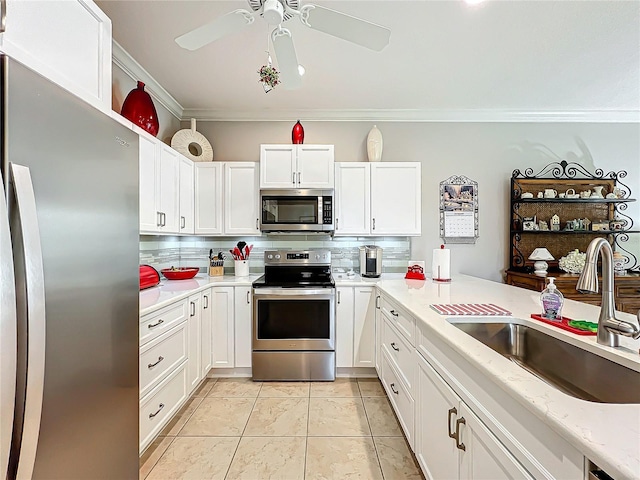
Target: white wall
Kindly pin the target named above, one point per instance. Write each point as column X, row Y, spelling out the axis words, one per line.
column 484, row 152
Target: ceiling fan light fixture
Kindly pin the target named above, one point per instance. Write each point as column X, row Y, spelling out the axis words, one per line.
column 301, row 69
column 273, row 12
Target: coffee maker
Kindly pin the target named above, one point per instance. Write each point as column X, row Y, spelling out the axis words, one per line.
column 370, row 261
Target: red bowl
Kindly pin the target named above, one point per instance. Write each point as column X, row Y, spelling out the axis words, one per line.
column 181, row 273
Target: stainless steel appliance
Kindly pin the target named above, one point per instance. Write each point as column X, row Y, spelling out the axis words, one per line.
column 294, row 317
column 370, row 261
column 69, row 286
column 307, row 211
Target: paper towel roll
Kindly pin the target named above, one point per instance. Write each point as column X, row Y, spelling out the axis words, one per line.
column 441, row 265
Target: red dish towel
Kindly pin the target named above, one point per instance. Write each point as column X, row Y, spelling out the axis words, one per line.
column 485, row 309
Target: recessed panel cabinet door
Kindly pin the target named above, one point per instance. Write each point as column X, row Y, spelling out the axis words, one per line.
column 169, row 189
column 186, row 195
column 193, row 343
column 222, row 331
column 315, row 166
column 149, row 158
column 242, row 327
column 344, row 327
column 278, row 166
column 352, row 197
column 396, row 200
column 436, row 413
column 208, row 197
column 364, row 349
column 241, row 198
column 206, row 317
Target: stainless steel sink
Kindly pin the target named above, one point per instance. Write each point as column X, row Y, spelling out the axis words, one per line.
column 570, row 369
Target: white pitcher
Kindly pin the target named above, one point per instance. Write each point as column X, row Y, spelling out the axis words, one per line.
column 597, row 192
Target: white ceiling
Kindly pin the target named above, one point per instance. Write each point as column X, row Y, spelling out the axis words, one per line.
column 446, row 60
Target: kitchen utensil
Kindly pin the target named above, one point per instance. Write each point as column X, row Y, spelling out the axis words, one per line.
column 179, row 273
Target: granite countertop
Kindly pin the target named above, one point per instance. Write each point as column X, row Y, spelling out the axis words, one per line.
column 607, row 434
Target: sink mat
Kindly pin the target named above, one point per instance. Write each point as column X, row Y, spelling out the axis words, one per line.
column 483, row 309
column 562, row 324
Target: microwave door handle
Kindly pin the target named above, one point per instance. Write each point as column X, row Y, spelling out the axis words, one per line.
column 8, row 339
column 33, row 278
column 320, row 220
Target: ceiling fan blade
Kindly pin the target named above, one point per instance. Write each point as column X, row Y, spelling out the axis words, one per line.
column 341, row 25
column 287, row 59
column 230, row 23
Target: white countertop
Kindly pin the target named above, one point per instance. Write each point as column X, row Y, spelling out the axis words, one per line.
column 607, row 434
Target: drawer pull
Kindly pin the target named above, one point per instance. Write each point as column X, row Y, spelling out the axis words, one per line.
column 160, row 407
column 459, row 444
column 393, row 345
column 393, row 312
column 393, row 389
column 151, row 365
column 452, row 411
column 154, row 325
column 248, row 299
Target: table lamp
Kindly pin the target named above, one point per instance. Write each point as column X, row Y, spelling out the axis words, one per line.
column 540, row 255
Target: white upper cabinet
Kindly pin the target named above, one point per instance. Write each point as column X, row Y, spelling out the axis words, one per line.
column 66, row 41
column 208, row 198
column 186, row 195
column 159, row 185
column 378, row 198
column 241, row 198
column 296, row 166
column 352, row 194
column 396, row 198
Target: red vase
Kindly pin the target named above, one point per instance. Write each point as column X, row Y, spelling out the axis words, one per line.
column 138, row 107
column 297, row 134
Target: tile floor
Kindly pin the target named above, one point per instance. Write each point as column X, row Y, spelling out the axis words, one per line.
column 238, row 429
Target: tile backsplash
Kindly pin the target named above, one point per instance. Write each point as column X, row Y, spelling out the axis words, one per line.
column 164, row 252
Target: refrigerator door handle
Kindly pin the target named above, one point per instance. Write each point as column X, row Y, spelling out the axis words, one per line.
column 8, row 339
column 36, row 321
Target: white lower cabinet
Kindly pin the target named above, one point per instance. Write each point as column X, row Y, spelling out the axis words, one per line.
column 450, row 441
column 222, row 330
column 344, row 327
column 243, row 322
column 364, row 350
column 195, row 315
column 400, row 398
column 206, row 321
column 160, row 356
column 379, row 319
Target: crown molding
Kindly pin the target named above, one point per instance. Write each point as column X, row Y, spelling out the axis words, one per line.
column 409, row 115
column 137, row 72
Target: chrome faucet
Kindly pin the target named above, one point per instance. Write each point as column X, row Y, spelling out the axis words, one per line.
column 609, row 327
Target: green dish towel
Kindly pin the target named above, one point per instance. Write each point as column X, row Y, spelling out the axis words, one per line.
column 583, row 325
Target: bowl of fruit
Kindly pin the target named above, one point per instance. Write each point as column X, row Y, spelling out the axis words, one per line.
column 179, row 273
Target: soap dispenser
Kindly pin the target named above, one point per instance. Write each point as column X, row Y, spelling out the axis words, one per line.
column 552, row 301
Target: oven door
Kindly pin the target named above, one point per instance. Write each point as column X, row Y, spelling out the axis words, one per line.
column 293, row 319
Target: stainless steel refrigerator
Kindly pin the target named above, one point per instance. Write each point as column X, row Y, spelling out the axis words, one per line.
column 68, row 286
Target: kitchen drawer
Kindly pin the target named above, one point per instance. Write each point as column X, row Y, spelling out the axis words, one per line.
column 628, row 290
column 401, row 400
column 160, row 356
column 161, row 404
column 156, row 323
column 402, row 320
column 400, row 353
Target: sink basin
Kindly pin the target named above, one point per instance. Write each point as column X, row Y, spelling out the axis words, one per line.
column 570, row 369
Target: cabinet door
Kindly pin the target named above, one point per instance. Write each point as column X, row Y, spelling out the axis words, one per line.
column 68, row 42
column 315, row 166
column 484, row 457
column 278, row 166
column 243, row 318
column 169, row 189
column 241, row 198
column 193, row 343
column 352, row 196
column 344, row 327
column 396, row 198
column 149, row 158
column 436, row 412
column 364, row 333
column 206, row 318
column 208, row 198
column 186, row 195
column 379, row 320
column 222, row 330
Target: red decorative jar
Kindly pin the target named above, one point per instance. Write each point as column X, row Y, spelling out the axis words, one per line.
column 297, row 134
column 138, row 107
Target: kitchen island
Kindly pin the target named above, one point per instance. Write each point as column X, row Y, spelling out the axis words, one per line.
column 606, row 434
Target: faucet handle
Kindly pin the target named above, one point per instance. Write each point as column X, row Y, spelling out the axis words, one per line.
column 621, row 327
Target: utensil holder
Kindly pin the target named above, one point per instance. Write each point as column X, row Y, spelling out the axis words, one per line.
column 241, row 268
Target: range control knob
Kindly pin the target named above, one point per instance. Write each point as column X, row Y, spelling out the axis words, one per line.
column 269, row 256
column 317, row 257
column 277, row 257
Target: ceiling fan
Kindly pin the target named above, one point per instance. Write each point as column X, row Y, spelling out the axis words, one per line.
column 275, row 12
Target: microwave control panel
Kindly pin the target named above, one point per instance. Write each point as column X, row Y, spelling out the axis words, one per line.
column 327, row 210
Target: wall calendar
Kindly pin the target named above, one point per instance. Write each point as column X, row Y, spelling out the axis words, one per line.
column 459, row 210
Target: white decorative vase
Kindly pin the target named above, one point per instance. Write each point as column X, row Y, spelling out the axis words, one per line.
column 374, row 145
column 241, row 268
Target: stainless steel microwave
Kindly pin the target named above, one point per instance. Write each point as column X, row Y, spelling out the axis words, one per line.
column 290, row 211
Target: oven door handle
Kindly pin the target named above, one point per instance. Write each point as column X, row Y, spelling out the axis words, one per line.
column 290, row 292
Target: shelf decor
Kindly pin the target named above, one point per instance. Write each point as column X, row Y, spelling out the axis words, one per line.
column 590, row 204
column 459, row 210
column 138, row 107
